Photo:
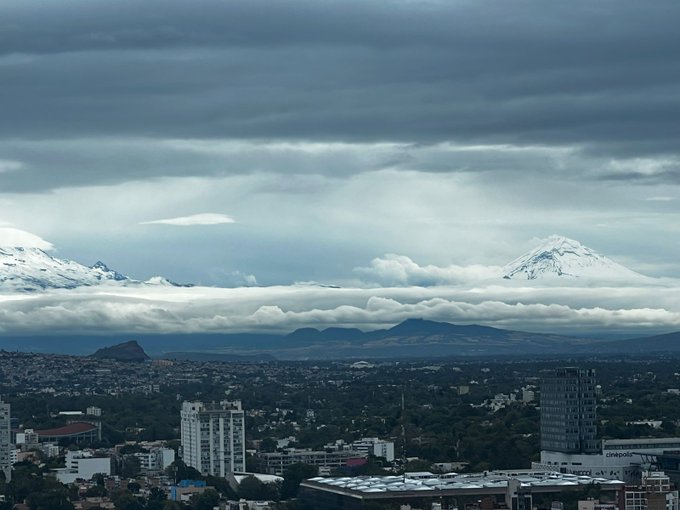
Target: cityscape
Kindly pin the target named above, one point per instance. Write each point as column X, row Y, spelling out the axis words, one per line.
column 339, row 255
column 445, row 433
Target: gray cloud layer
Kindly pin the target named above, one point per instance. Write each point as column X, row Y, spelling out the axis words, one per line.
column 600, row 77
column 336, row 131
column 203, row 310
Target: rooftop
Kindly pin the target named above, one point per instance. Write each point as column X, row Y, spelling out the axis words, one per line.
column 454, row 481
column 67, row 430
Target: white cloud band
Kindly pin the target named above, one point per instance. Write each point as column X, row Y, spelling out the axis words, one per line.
column 193, row 220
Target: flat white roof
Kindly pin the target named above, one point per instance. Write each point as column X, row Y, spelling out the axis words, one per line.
column 418, row 482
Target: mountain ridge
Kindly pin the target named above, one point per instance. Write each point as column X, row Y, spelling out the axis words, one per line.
column 31, row 269
column 411, row 338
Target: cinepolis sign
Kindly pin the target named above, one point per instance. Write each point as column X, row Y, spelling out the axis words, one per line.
column 619, row 455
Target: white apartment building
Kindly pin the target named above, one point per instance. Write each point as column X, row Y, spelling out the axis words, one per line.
column 156, row 459
column 366, row 446
column 375, row 446
column 83, row 465
column 213, row 437
column 5, row 441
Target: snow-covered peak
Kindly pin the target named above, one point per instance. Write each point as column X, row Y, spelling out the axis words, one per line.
column 31, row 268
column 26, row 266
column 163, row 282
column 561, row 257
column 108, row 274
column 15, row 238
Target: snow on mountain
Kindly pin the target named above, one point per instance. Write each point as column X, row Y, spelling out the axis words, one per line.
column 163, row 282
column 561, row 257
column 31, row 268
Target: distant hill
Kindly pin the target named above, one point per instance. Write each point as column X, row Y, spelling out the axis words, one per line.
column 128, row 351
column 659, row 344
column 411, row 338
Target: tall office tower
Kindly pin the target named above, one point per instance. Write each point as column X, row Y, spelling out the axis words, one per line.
column 213, row 437
column 5, row 441
column 568, row 418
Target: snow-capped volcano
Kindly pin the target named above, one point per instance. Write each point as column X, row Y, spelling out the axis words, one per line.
column 561, row 257
column 30, row 268
column 26, row 265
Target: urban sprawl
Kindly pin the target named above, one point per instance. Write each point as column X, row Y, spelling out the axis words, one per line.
column 474, row 434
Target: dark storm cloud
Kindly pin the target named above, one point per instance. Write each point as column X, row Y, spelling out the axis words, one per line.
column 600, row 76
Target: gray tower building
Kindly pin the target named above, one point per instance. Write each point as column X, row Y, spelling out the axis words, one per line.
column 5, row 444
column 213, row 437
column 568, row 417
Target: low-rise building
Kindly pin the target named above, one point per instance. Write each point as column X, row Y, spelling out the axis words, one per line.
column 156, row 459
column 366, row 446
column 515, row 490
column 276, row 463
column 654, row 493
column 185, row 489
column 83, row 465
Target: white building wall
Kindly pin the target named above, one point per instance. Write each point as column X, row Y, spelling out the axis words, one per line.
column 5, row 438
column 82, row 465
column 213, row 437
column 620, row 459
column 384, row 449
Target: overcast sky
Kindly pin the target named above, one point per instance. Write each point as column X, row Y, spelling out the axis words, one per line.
column 231, row 142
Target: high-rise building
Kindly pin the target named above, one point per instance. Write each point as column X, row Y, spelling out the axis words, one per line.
column 568, row 417
column 5, row 441
column 213, row 437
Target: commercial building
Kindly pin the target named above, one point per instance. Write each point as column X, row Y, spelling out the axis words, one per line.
column 621, row 459
column 324, row 461
column 5, row 441
column 514, row 490
column 76, row 432
column 568, row 412
column 569, row 435
column 213, row 437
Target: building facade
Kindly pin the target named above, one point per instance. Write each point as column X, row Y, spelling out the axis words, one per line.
column 568, row 415
column 655, row 493
column 510, row 490
column 213, row 437
column 5, row 441
column 618, row 459
column 157, row 459
column 276, row 463
column 83, row 465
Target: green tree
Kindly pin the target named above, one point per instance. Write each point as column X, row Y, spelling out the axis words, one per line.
column 293, row 476
column 267, row 445
column 206, row 500
column 125, row 500
column 130, row 467
column 253, row 489
column 156, row 499
column 178, row 470
column 221, row 485
column 95, row 491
